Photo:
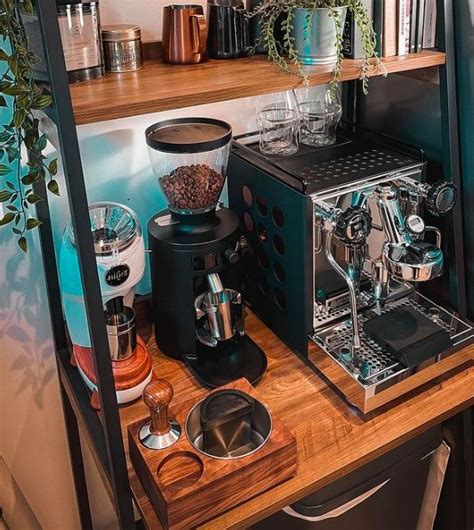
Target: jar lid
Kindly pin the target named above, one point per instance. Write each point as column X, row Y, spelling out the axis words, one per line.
column 120, row 32
column 188, row 135
column 75, row 2
column 114, row 228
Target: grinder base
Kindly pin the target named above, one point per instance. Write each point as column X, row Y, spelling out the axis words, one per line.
column 230, row 360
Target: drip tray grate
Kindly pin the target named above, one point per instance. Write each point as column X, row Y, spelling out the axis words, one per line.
column 374, row 363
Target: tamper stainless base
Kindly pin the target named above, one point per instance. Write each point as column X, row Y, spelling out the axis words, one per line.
column 159, row 432
column 160, row 441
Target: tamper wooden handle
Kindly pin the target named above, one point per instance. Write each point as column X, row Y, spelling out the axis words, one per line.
column 157, row 396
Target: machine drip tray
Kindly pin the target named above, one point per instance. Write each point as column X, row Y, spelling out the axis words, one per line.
column 387, row 357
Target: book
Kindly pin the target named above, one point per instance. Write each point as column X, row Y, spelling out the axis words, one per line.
column 413, row 21
column 378, row 25
column 401, row 27
column 429, row 26
column 389, row 42
column 352, row 45
column 403, row 37
column 420, row 19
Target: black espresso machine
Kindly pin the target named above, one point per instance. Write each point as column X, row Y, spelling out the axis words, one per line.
column 337, row 252
column 196, row 251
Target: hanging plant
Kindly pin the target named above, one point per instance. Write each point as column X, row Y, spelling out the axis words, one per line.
column 284, row 53
column 21, row 144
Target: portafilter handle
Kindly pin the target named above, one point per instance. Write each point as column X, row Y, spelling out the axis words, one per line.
column 159, row 432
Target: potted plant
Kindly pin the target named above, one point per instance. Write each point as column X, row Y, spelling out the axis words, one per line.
column 313, row 34
column 23, row 165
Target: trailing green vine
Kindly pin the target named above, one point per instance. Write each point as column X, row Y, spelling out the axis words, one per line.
column 21, row 143
column 283, row 51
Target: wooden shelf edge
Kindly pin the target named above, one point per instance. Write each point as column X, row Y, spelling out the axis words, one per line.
column 126, row 95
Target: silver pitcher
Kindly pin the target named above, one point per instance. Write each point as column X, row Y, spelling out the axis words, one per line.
column 217, row 305
column 121, row 329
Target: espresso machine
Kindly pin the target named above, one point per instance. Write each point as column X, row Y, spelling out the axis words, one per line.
column 338, row 255
column 120, row 257
column 196, row 251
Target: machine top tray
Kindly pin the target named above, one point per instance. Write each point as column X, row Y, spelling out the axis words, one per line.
column 315, row 169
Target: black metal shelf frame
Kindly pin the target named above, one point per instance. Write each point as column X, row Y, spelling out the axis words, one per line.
column 103, row 431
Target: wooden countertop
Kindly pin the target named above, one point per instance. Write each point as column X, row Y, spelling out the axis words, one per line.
column 332, row 438
column 158, row 86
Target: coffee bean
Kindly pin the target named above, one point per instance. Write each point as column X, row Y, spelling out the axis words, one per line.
column 192, row 187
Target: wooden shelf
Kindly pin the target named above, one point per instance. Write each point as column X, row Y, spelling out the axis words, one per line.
column 159, row 87
column 332, row 438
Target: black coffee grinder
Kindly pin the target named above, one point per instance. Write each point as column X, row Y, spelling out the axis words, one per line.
column 195, row 254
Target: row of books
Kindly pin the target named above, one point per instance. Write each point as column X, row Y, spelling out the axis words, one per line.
column 404, row 26
column 401, row 26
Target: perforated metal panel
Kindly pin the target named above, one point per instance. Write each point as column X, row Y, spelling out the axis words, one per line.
column 348, row 161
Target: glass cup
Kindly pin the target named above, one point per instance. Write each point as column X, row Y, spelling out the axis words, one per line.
column 278, row 129
column 320, row 113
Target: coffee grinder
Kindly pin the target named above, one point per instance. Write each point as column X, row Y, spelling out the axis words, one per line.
column 120, row 258
column 196, row 249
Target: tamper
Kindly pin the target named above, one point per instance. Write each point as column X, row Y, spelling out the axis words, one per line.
column 159, row 432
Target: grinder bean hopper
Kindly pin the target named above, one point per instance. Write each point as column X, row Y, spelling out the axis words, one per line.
column 196, row 250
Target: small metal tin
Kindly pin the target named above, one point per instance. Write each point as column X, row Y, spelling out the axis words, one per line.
column 122, row 47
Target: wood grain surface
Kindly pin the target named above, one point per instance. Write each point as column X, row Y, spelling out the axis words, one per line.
column 159, row 86
column 332, row 438
column 187, row 487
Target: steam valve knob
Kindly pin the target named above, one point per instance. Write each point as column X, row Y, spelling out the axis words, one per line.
column 441, row 198
column 354, row 225
column 159, row 432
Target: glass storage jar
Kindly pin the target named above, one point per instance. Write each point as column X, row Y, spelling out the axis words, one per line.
column 79, row 26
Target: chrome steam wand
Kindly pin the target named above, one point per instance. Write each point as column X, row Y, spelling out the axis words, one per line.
column 352, row 227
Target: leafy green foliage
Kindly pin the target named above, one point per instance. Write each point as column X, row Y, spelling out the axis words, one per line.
column 285, row 55
column 18, row 86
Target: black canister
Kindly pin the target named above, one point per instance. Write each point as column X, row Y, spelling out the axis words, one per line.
column 256, row 32
column 79, row 25
column 228, row 29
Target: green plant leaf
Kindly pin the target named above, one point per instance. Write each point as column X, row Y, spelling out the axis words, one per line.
column 15, row 90
column 12, row 208
column 4, row 170
column 13, row 153
column 53, row 166
column 32, row 223
column 3, row 102
column 18, row 118
column 23, row 244
column 10, row 185
column 16, row 231
column 41, row 142
column 53, row 187
column 42, row 102
column 3, row 55
column 28, row 7
column 5, row 195
column 7, row 218
column 33, row 198
column 30, row 178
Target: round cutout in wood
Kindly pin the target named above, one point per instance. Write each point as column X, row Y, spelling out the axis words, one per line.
column 180, row 470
